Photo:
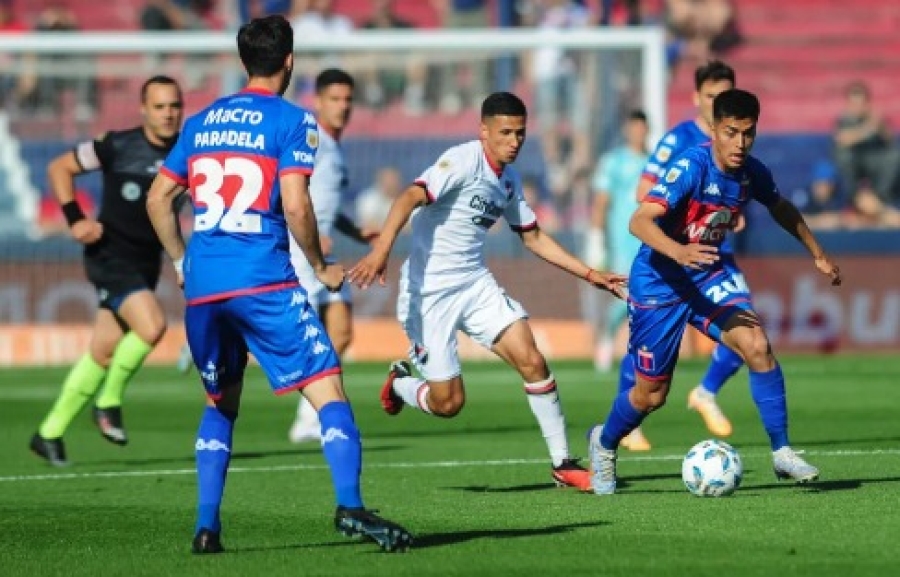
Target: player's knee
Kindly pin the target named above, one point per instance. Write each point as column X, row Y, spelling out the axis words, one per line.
column 756, row 349
column 648, row 396
column 152, row 332
column 446, row 406
column 532, row 366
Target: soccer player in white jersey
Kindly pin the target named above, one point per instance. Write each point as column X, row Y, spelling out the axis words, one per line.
column 328, row 188
column 446, row 286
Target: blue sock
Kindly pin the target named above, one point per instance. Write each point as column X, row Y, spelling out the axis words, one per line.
column 723, row 365
column 343, row 451
column 626, row 373
column 213, row 451
column 767, row 390
column 623, row 418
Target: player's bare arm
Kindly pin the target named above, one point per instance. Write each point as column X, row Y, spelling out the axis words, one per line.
column 301, row 221
column 546, row 247
column 163, row 213
column 789, row 218
column 645, row 185
column 61, row 173
column 373, row 265
column 643, row 226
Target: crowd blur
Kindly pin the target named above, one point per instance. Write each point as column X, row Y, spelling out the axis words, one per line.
column 568, row 91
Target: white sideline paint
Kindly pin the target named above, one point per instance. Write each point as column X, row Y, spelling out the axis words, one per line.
column 402, row 465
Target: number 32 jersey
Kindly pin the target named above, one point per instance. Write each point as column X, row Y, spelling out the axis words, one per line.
column 230, row 156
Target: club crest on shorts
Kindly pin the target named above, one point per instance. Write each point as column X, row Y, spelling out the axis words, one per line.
column 418, row 353
column 646, row 360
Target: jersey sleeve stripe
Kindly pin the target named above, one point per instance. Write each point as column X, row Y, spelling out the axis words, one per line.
column 524, row 227
column 427, row 192
column 180, row 180
column 656, row 200
column 86, row 156
column 649, row 176
column 295, row 170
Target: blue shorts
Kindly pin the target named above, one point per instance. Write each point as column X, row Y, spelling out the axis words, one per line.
column 278, row 327
column 656, row 331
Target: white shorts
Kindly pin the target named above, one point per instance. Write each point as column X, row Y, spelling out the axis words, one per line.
column 482, row 310
column 316, row 292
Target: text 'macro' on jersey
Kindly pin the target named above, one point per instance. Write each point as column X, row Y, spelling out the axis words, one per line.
column 231, row 156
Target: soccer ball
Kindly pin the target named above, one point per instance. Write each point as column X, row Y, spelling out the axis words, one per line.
column 712, row 468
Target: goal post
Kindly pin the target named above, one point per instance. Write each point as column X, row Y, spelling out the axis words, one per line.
column 91, row 83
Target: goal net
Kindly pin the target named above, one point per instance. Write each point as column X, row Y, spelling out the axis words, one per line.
column 418, row 93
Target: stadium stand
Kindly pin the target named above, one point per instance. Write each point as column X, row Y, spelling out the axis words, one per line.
column 806, row 51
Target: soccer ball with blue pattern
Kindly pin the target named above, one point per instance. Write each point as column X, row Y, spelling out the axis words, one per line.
column 712, row 468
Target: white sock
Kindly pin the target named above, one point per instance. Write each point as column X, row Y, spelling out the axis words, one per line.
column 544, row 401
column 413, row 391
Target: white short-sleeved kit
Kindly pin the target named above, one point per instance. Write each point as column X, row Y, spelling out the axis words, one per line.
column 445, row 284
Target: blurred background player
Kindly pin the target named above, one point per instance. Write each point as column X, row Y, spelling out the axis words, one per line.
column 445, row 285
column 678, row 278
column 710, row 80
column 615, row 185
column 122, row 261
column 259, row 305
column 329, row 190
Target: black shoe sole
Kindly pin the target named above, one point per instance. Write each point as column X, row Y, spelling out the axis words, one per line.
column 389, row 539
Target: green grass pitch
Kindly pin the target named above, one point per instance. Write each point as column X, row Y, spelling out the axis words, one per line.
column 475, row 490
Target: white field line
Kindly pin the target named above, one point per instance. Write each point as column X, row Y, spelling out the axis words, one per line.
column 397, row 465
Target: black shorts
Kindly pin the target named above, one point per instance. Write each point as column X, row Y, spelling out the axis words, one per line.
column 115, row 278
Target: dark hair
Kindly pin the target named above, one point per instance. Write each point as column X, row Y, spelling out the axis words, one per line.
column 858, row 88
column 637, row 115
column 736, row 103
column 264, row 43
column 331, row 76
column 158, row 79
column 713, row 71
column 503, row 104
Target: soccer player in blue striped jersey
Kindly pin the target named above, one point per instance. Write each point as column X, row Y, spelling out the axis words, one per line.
column 246, row 161
column 710, row 80
column 678, row 277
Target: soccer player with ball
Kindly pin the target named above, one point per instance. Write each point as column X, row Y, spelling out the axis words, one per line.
column 445, row 285
column 678, row 278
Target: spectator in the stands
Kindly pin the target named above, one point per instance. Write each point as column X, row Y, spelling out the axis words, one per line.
column 177, row 15
column 250, row 9
column 182, row 16
column 374, row 203
column 543, row 208
column 821, row 202
column 632, row 8
column 865, row 151
column 700, row 30
column 385, row 79
column 317, row 19
column 561, row 81
column 58, row 73
column 16, row 79
column 463, row 83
